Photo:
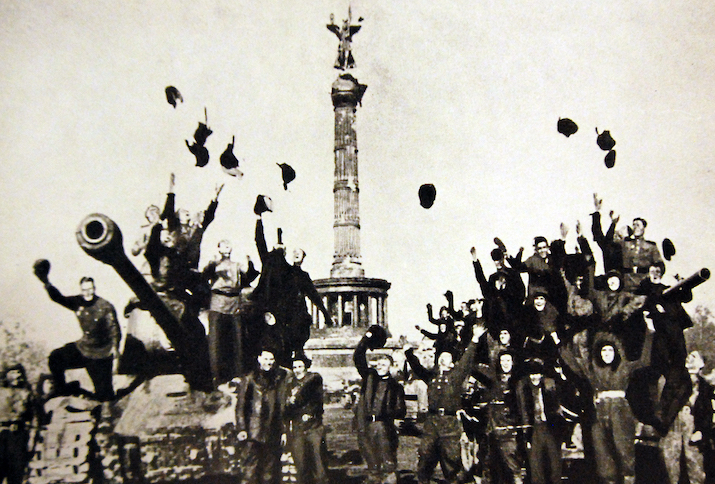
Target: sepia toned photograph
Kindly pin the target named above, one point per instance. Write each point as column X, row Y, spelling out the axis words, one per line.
column 357, row 242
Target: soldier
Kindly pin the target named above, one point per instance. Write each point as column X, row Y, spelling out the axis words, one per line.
column 381, row 401
column 97, row 350
column 304, row 422
column 540, row 267
column 539, row 407
column 260, row 402
column 440, row 441
column 15, row 417
column 638, row 255
column 609, row 373
column 503, row 424
column 503, row 292
column 692, row 422
column 301, row 287
column 229, row 281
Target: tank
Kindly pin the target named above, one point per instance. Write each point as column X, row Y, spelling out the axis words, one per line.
column 167, row 425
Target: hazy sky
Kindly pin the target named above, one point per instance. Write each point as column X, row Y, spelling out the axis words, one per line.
column 462, row 94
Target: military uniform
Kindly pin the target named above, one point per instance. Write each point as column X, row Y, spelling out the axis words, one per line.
column 229, row 279
column 696, row 415
column 98, row 321
column 15, row 415
column 539, row 407
column 638, row 255
column 304, row 427
column 442, row 429
column 613, row 428
column 261, row 397
column 381, row 401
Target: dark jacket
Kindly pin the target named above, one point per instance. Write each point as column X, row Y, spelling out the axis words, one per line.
column 261, row 398
column 306, row 411
column 380, row 398
column 97, row 319
column 550, row 392
column 444, row 390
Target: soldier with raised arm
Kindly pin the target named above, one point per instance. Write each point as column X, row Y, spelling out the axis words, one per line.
column 382, row 400
column 440, row 441
column 97, row 350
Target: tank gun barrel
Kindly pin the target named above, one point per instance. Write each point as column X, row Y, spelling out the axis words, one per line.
column 687, row 284
column 100, row 237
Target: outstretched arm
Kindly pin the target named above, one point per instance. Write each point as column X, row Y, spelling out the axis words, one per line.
column 420, row 371
column 360, row 356
column 261, row 240
column 59, row 298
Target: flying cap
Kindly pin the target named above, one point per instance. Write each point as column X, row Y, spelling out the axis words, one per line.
column 172, row 95
column 263, row 204
column 287, row 173
column 427, row 194
column 610, row 159
column 668, row 249
column 229, row 162
column 566, row 127
column 604, row 140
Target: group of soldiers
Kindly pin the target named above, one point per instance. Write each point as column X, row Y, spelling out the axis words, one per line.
column 245, row 324
column 515, row 370
column 512, row 373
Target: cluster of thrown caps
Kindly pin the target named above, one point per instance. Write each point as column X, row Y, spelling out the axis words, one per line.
column 427, row 192
column 229, row 162
column 604, row 140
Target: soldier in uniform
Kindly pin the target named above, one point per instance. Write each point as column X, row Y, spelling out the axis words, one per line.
column 692, row 422
column 503, row 425
column 15, row 417
column 539, row 407
column 440, row 441
column 260, row 403
column 381, row 401
column 304, row 423
column 613, row 428
column 97, row 350
column 638, row 255
column 229, row 281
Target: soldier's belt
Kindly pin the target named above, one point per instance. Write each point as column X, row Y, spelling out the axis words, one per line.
column 635, row 270
column 513, row 427
column 609, row 394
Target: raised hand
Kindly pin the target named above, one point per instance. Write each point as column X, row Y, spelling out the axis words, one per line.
column 597, row 202
column 563, row 228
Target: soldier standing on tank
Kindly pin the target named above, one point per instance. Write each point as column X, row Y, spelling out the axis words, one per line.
column 229, row 281
column 304, row 423
column 261, row 398
column 15, row 417
column 638, row 255
column 97, row 350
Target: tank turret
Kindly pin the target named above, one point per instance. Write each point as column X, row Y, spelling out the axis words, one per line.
column 101, row 238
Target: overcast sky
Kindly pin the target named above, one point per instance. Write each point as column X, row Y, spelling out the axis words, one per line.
column 462, row 94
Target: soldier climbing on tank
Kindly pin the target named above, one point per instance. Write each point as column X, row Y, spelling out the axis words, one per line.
column 97, row 350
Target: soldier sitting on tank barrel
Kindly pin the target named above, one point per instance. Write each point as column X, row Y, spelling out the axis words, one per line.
column 97, row 350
